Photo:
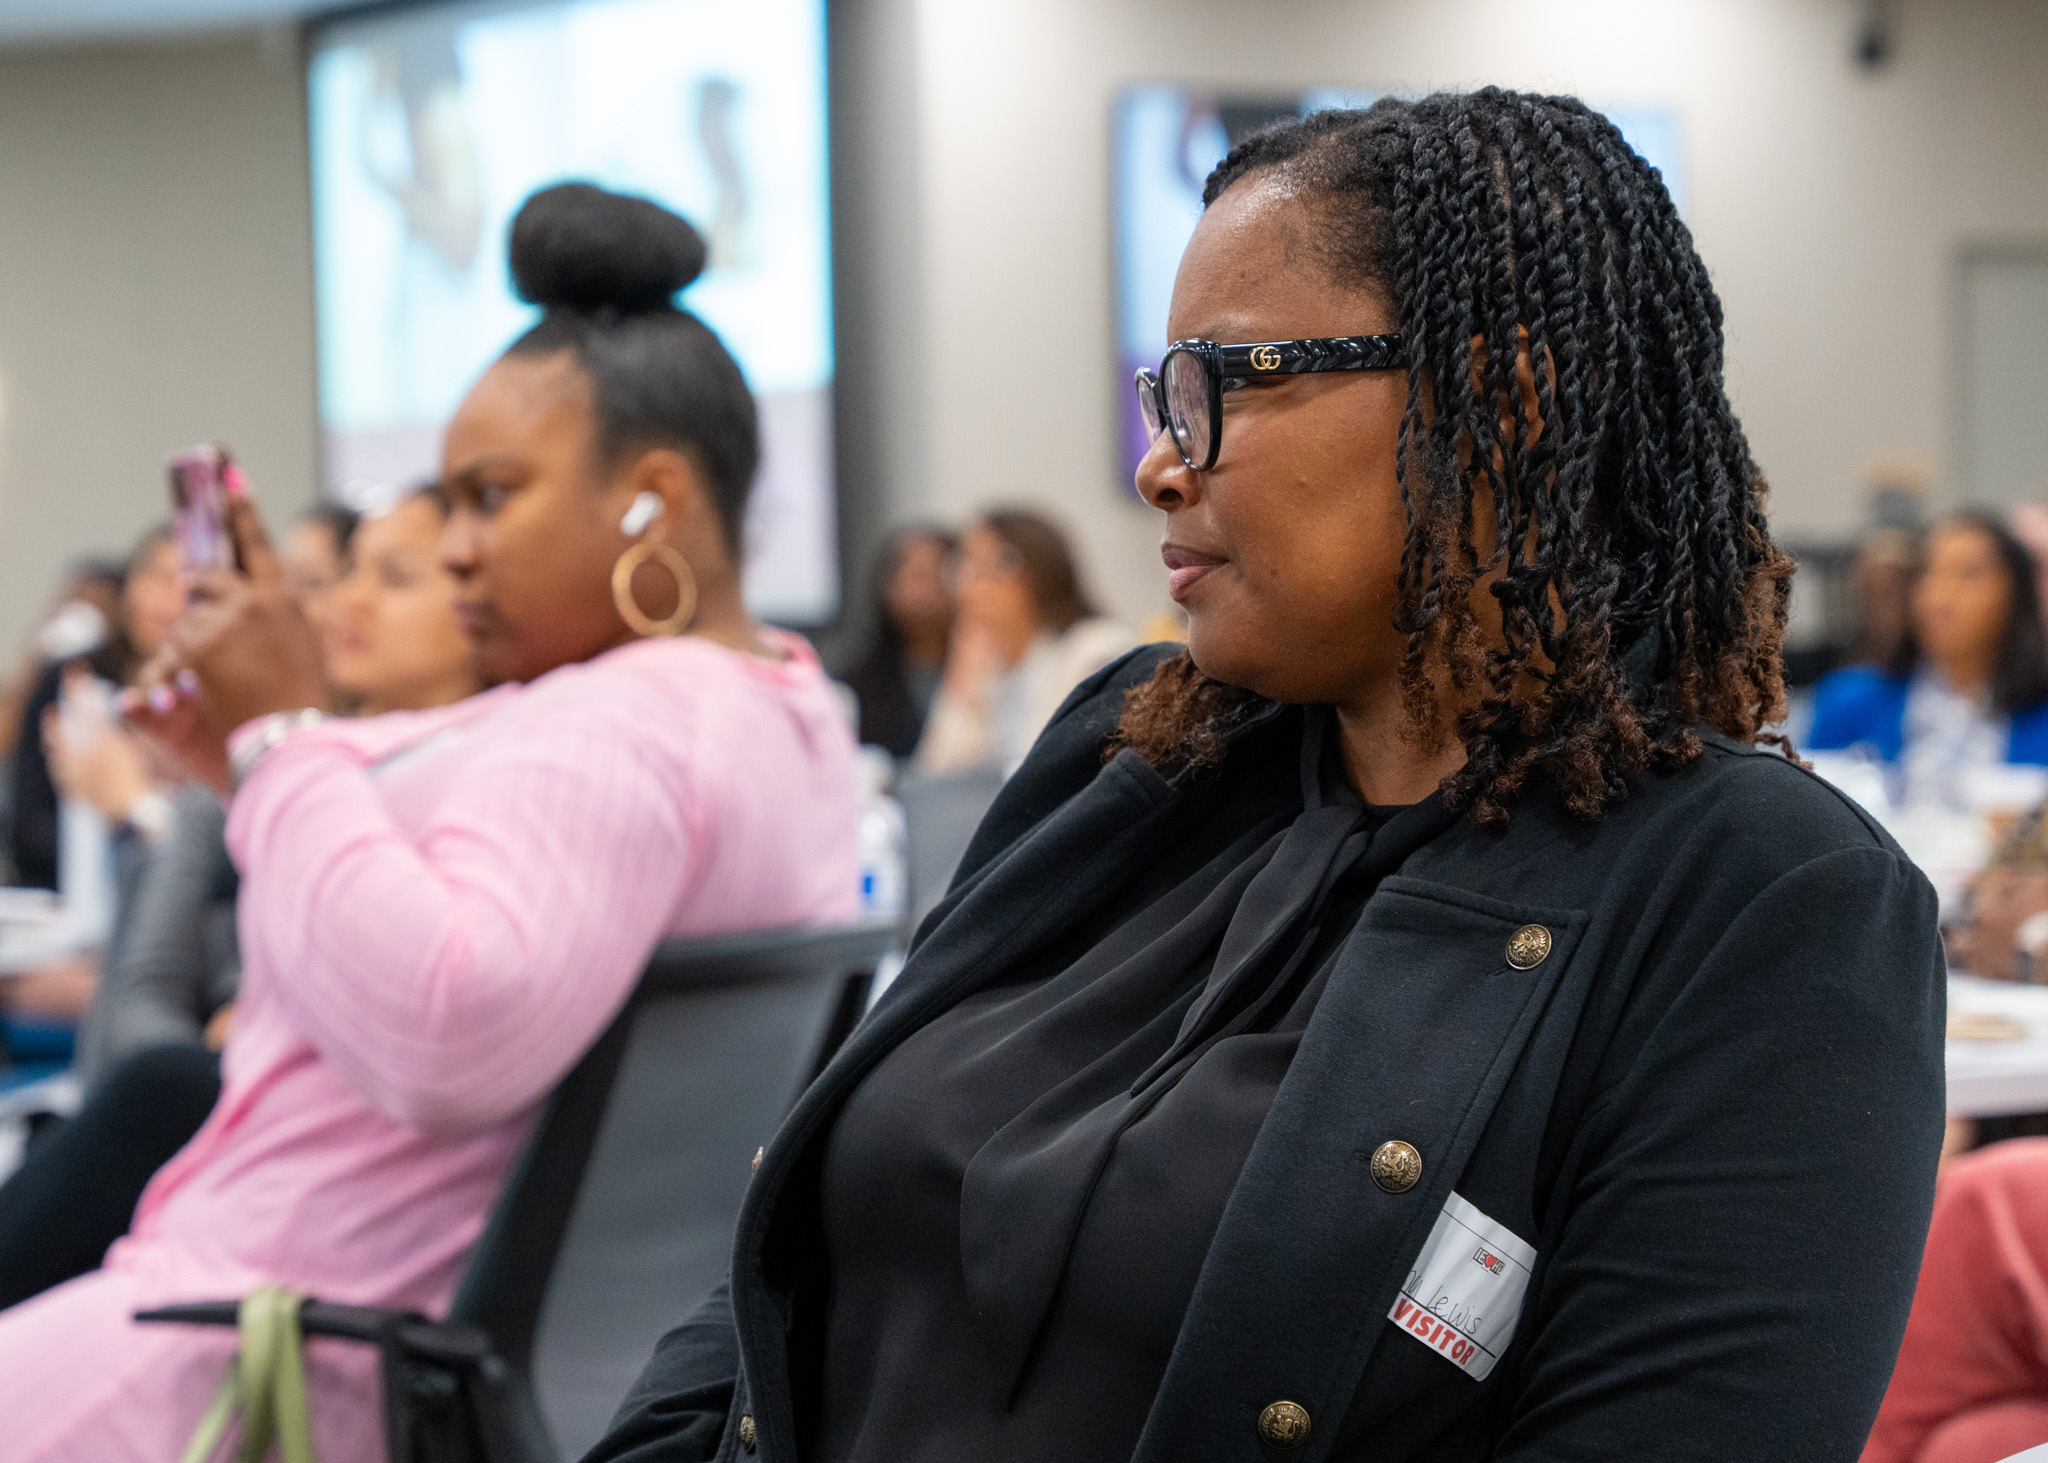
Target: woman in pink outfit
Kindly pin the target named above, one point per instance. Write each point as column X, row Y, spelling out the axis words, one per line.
column 1971, row 1384
column 441, row 910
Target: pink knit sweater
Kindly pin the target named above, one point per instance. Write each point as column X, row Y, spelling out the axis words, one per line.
column 439, row 913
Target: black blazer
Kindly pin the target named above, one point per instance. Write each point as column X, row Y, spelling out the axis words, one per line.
column 1713, row 1109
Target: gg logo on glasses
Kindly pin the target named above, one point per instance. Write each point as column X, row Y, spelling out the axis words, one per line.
column 1184, row 398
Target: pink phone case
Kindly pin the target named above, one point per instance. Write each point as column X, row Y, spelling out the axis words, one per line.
column 199, row 502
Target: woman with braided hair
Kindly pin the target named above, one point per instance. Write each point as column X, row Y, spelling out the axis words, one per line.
column 1418, row 1021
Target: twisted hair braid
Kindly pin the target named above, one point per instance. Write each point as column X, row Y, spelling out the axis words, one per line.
column 1640, row 594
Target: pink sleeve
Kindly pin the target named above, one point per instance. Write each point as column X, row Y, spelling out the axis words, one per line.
column 454, row 978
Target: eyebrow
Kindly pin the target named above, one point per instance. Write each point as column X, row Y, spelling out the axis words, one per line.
column 479, row 466
column 1229, row 330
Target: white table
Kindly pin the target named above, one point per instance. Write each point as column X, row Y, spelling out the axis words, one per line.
column 1988, row 1079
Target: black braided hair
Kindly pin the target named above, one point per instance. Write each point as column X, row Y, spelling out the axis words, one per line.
column 1640, row 593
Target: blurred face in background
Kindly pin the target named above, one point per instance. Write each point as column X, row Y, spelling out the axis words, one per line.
column 1961, row 604
column 313, row 565
column 152, row 598
column 1884, row 598
column 98, row 590
column 993, row 593
column 919, row 597
column 393, row 643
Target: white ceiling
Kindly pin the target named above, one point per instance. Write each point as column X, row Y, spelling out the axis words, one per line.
column 31, row 22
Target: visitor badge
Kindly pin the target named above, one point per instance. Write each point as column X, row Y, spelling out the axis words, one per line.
column 1464, row 1293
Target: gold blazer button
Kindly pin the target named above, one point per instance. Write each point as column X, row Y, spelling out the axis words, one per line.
column 1528, row 947
column 1396, row 1166
column 747, row 1431
column 1283, row 1425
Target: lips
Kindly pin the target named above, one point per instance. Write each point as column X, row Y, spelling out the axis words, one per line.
column 1187, row 567
column 475, row 617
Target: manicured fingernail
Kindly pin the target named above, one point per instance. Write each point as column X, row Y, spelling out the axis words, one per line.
column 188, row 682
column 160, row 699
column 232, row 479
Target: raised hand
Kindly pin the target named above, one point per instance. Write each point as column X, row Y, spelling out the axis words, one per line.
column 245, row 638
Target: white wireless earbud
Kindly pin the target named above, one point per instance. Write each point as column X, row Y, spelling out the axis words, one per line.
column 646, row 508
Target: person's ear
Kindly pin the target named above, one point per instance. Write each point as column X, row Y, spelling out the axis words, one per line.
column 685, row 513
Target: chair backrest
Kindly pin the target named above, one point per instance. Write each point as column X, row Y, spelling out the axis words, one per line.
column 940, row 815
column 618, row 1217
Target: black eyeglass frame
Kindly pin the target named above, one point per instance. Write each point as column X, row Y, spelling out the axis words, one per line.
column 1257, row 359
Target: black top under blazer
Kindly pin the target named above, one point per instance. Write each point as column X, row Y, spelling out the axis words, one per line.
column 1713, row 1108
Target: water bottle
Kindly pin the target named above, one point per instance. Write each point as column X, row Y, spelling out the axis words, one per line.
column 85, row 857
column 882, row 871
column 85, row 872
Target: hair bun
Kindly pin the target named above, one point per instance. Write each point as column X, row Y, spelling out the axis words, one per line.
column 578, row 247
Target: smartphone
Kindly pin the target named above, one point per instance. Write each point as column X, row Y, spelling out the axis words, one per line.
column 199, row 506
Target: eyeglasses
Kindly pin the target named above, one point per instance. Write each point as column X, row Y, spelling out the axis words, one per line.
column 1186, row 395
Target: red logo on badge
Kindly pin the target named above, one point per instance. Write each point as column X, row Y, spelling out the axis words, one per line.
column 1494, row 1263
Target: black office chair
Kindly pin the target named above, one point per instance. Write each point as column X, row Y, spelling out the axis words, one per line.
column 940, row 814
column 618, row 1215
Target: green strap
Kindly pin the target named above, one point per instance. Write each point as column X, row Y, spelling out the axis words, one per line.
column 266, row 1384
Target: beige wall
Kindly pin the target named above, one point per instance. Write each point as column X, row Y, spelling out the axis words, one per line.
column 155, row 278
column 1829, row 204
column 155, row 289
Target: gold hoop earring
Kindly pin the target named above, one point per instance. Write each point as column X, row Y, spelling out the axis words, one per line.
column 637, row 619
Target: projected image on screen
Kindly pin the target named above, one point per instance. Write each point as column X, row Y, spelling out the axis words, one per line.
column 1168, row 138
column 431, row 125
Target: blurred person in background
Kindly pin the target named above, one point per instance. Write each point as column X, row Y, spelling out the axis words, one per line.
column 99, row 763
column 441, row 910
column 1970, row 689
column 107, row 767
column 1426, row 1017
column 93, row 760
column 2012, row 888
column 164, row 1004
column 1025, row 634
column 315, row 555
column 393, row 642
column 1971, row 1381
column 895, row 681
column 152, row 598
column 2029, row 524
column 84, row 608
column 1887, row 563
column 1996, row 937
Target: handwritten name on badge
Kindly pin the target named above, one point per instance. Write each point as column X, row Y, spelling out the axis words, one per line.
column 1464, row 1293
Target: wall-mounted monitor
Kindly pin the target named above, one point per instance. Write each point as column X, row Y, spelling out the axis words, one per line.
column 430, row 124
column 1166, row 139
